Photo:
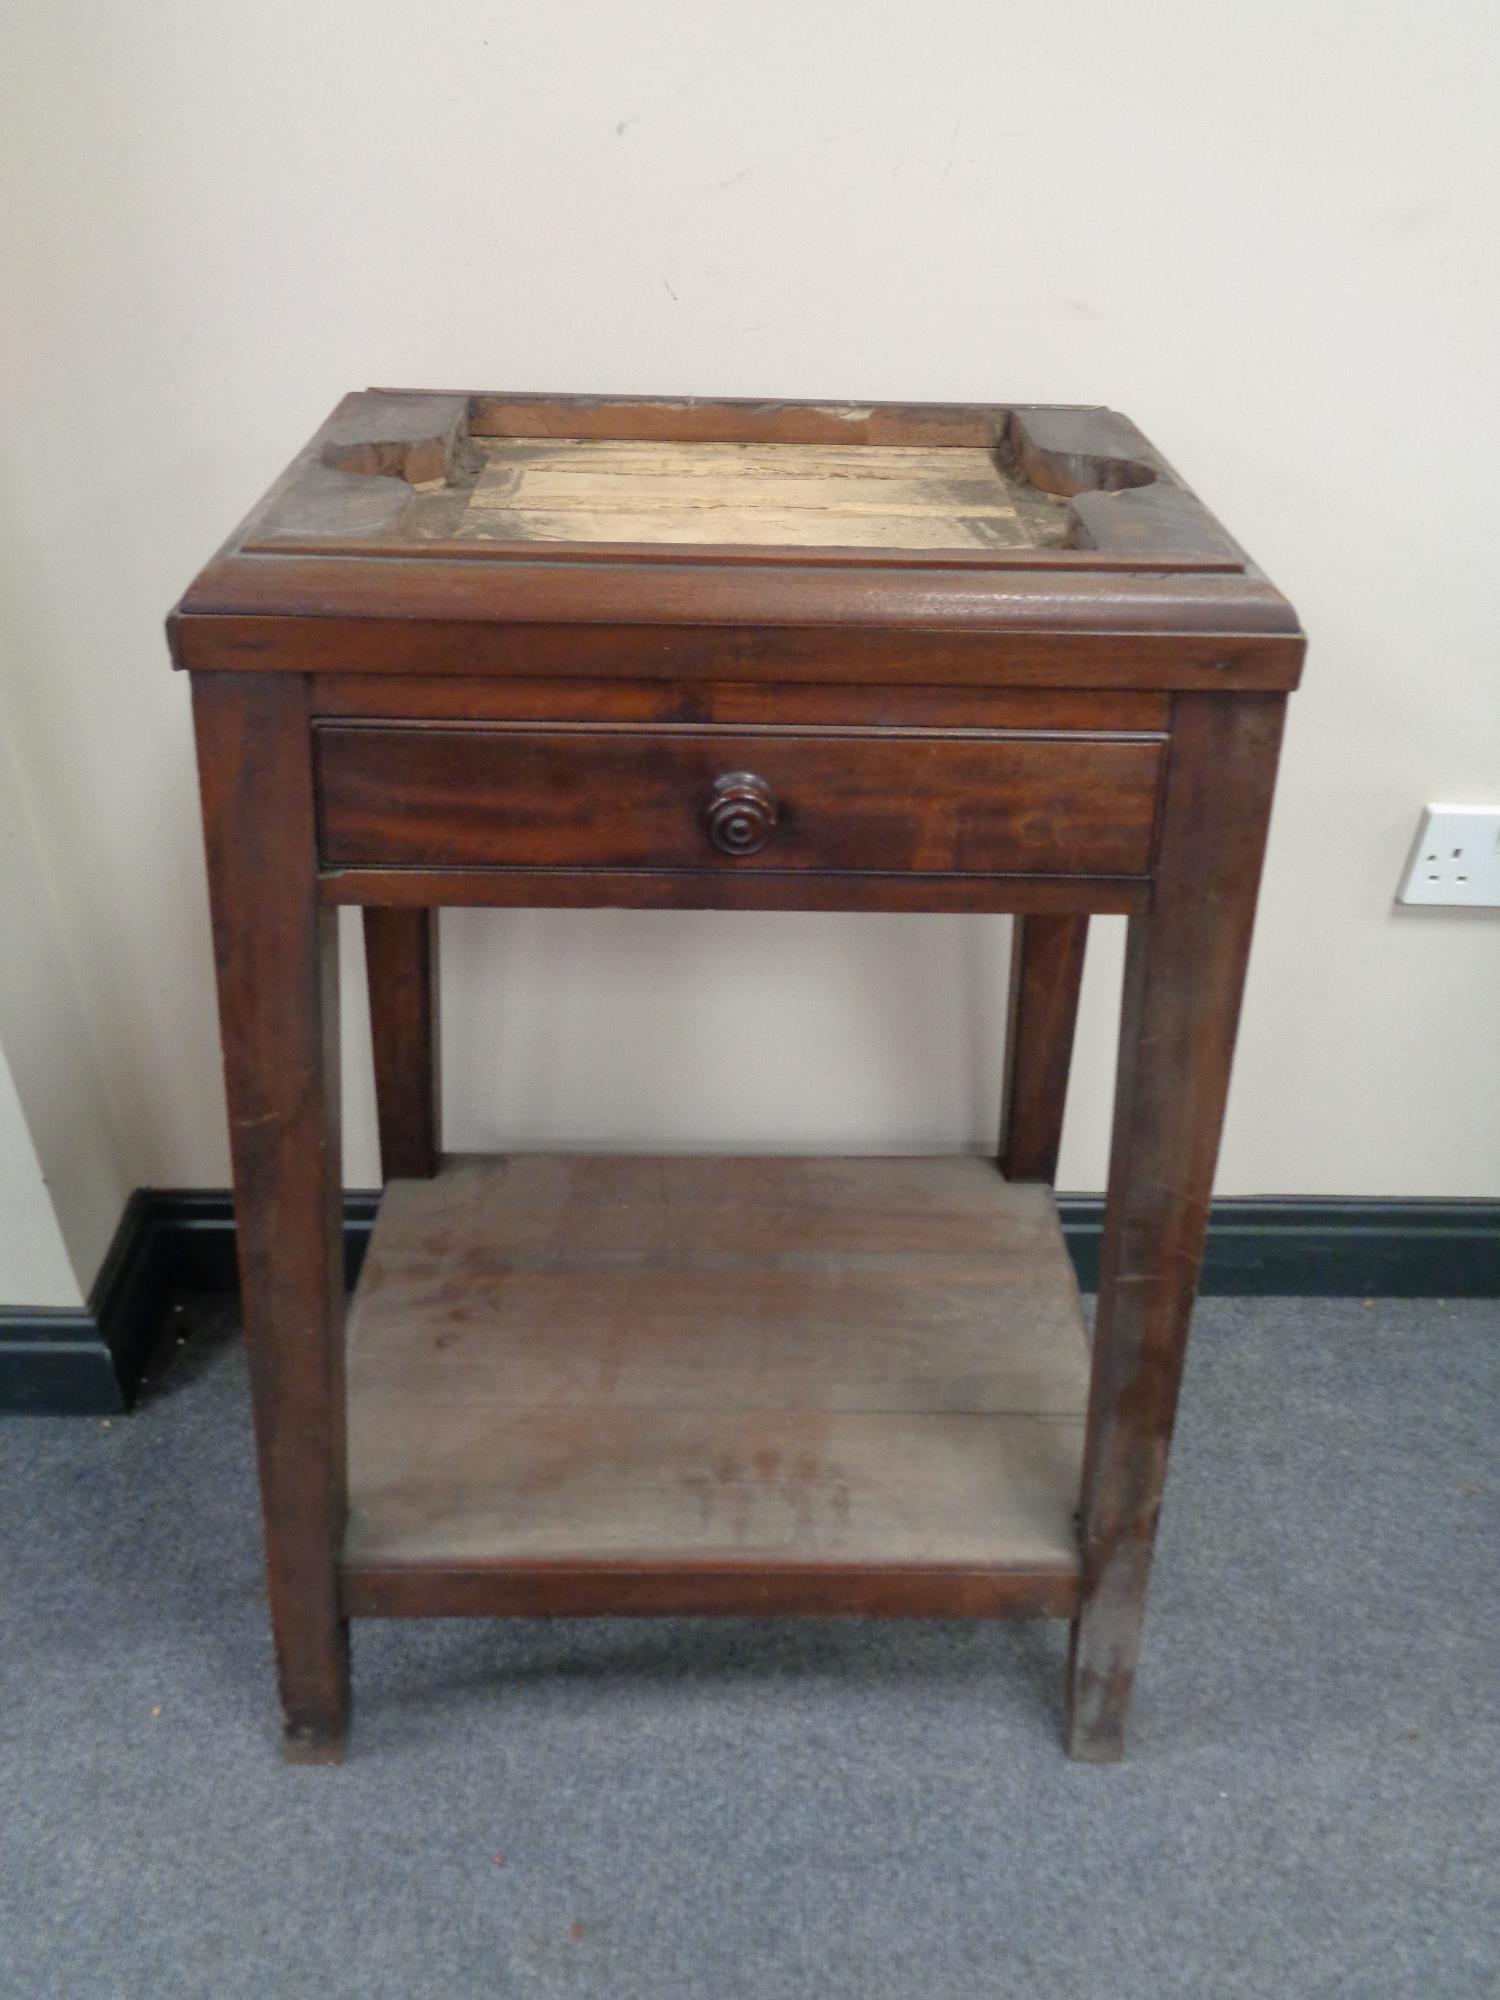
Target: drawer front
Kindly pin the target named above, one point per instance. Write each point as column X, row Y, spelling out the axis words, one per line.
column 470, row 796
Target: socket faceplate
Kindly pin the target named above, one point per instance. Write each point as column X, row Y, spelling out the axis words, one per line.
column 1456, row 859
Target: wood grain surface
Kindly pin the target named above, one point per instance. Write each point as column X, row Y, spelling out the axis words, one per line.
column 335, row 540
column 433, row 634
column 276, row 953
column 734, row 889
column 474, row 698
column 1184, row 975
column 401, row 968
column 1046, row 976
column 796, row 495
column 450, row 795
column 697, row 1360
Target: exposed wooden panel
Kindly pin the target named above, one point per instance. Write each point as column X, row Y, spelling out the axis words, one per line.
column 792, row 495
column 766, row 1284
column 525, row 1337
column 459, row 1483
column 692, row 1361
column 677, row 482
column 729, row 420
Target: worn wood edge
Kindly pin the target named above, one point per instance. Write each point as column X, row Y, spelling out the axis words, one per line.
column 368, row 510
column 1086, row 556
column 1154, row 527
column 343, row 420
column 1126, row 500
column 248, row 525
column 733, row 420
column 684, row 1588
column 1086, row 450
column 416, row 438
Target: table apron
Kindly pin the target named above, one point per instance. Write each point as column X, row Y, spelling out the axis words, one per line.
column 662, row 889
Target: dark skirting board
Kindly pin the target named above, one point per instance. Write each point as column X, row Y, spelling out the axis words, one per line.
column 176, row 1240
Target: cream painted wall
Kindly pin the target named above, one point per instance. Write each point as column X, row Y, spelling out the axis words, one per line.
column 35, row 1269
column 63, row 1179
column 1265, row 232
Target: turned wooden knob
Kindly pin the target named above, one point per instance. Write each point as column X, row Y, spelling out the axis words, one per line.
column 741, row 813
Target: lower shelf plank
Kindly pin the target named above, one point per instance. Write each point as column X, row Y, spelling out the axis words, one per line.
column 742, row 1590
column 902, row 1488
column 697, row 1385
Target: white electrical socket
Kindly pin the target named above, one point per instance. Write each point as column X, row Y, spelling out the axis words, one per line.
column 1457, row 858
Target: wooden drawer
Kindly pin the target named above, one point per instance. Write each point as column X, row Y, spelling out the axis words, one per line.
column 982, row 803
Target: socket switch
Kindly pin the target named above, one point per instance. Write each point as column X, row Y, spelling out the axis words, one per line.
column 1456, row 859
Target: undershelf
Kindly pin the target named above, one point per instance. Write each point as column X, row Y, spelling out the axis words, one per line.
column 616, row 1384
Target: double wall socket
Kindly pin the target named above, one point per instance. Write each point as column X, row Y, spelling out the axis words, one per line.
column 1456, row 859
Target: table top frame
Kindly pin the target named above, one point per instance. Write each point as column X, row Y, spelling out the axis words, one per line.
column 1147, row 558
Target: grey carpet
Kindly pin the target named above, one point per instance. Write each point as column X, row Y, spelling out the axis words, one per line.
column 694, row 1808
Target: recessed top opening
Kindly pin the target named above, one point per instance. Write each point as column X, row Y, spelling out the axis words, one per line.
column 594, row 490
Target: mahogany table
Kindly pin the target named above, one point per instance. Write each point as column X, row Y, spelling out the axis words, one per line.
column 535, row 650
